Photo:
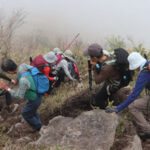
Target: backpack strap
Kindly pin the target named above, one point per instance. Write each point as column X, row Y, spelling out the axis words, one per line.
column 109, row 62
column 59, row 57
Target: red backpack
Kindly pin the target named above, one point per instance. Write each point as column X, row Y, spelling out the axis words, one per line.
column 76, row 69
column 59, row 57
column 39, row 62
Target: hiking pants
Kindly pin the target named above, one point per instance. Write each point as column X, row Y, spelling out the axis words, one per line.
column 61, row 77
column 101, row 97
column 137, row 108
column 7, row 96
column 30, row 114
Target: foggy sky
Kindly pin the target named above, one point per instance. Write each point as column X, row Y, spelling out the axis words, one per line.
column 93, row 19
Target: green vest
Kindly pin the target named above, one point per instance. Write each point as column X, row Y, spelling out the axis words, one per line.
column 31, row 93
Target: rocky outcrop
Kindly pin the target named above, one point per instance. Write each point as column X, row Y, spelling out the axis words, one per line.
column 92, row 130
column 135, row 144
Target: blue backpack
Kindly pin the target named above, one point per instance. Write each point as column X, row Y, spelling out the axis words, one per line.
column 40, row 80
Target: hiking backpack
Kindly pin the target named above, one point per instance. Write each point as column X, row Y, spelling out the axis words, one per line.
column 59, row 57
column 121, row 55
column 40, row 80
column 39, row 62
column 119, row 59
column 73, row 70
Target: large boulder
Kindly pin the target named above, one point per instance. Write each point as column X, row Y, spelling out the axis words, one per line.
column 135, row 144
column 92, row 130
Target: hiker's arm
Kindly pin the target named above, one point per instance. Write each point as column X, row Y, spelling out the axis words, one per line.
column 46, row 71
column 65, row 68
column 105, row 74
column 24, row 85
column 140, row 84
column 5, row 77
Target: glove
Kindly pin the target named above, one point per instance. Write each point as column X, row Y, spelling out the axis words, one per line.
column 54, row 72
column 110, row 110
column 56, row 78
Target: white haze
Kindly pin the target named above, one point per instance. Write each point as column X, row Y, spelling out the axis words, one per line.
column 93, row 19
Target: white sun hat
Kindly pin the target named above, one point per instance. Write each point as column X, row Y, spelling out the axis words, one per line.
column 135, row 60
column 50, row 57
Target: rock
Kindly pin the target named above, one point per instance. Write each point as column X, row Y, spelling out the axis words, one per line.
column 18, row 125
column 24, row 140
column 1, row 119
column 92, row 130
column 10, row 130
column 135, row 144
column 14, row 128
column 15, row 107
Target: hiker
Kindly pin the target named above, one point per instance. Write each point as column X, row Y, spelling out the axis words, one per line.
column 72, row 64
column 45, row 65
column 27, row 90
column 61, row 67
column 138, row 105
column 57, row 50
column 9, row 106
column 106, row 69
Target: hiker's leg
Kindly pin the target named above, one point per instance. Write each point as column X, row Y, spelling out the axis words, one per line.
column 30, row 113
column 8, row 98
column 38, row 117
column 137, row 108
column 61, row 76
column 101, row 98
column 121, row 95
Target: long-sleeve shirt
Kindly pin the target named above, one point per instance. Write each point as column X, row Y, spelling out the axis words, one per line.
column 142, row 81
column 64, row 65
column 46, row 71
column 24, row 83
column 4, row 77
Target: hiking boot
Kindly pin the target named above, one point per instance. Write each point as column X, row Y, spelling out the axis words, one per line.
column 12, row 108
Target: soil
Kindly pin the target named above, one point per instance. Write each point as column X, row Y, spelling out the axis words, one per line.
column 72, row 107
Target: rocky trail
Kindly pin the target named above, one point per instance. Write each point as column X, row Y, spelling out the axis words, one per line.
column 72, row 122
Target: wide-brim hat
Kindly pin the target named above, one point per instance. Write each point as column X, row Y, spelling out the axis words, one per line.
column 68, row 54
column 135, row 60
column 50, row 57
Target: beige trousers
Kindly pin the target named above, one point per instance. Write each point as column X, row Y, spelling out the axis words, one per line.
column 137, row 108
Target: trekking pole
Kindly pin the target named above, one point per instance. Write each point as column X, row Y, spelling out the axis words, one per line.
column 90, row 74
column 90, row 83
column 71, row 42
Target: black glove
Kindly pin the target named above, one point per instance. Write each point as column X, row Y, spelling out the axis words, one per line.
column 111, row 110
column 97, row 68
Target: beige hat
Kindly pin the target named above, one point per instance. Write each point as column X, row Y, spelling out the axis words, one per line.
column 68, row 54
column 50, row 57
column 57, row 50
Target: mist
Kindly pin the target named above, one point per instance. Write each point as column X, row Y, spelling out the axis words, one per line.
column 95, row 20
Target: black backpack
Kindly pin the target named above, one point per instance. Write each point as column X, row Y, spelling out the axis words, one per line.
column 122, row 64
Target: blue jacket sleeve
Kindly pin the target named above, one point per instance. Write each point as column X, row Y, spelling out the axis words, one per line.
column 141, row 82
